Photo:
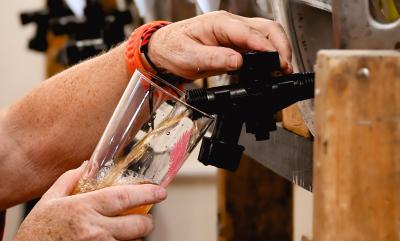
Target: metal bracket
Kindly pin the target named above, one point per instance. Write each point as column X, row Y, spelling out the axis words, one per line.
column 355, row 28
column 286, row 154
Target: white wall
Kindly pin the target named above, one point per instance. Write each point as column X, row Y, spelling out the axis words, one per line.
column 20, row 70
column 190, row 211
column 302, row 214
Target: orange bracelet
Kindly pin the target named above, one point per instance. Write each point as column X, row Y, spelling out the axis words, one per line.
column 136, row 51
column 138, row 38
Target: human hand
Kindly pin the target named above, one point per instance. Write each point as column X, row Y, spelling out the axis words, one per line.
column 209, row 44
column 89, row 216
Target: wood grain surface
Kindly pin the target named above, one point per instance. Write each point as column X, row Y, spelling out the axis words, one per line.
column 357, row 147
column 254, row 204
column 293, row 121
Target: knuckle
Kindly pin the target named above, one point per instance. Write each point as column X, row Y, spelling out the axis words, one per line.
column 256, row 36
column 102, row 203
column 143, row 226
column 255, row 33
column 60, row 204
column 50, row 206
column 211, row 61
column 123, row 198
column 275, row 24
column 68, row 206
column 247, row 29
column 99, row 195
column 222, row 13
column 71, row 205
column 262, row 19
column 150, row 192
column 91, row 233
column 147, row 192
column 78, row 226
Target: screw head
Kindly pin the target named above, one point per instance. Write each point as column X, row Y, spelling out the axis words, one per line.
column 363, row 73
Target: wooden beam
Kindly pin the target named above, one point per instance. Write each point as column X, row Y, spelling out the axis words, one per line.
column 56, row 43
column 357, row 146
column 254, row 204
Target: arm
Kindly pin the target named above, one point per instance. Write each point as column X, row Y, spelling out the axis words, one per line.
column 57, row 125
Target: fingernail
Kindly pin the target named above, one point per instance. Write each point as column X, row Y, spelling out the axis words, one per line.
column 161, row 193
column 233, row 62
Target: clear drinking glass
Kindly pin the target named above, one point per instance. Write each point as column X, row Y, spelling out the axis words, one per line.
column 149, row 136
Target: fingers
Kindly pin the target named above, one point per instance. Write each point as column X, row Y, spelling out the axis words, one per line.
column 210, row 44
column 131, row 227
column 205, row 60
column 211, row 50
column 253, row 34
column 112, row 201
column 216, row 59
column 237, row 34
column 276, row 34
column 65, row 184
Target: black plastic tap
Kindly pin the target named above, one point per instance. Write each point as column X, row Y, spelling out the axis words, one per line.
column 42, row 18
column 95, row 32
column 261, row 92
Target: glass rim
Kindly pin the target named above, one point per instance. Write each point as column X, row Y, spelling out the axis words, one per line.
column 145, row 73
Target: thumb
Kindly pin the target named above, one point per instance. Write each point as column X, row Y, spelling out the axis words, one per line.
column 65, row 184
column 217, row 60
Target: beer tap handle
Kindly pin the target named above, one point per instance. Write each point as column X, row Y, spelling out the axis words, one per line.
column 261, row 92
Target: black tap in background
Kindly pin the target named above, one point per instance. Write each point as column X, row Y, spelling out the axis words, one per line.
column 97, row 31
column 41, row 18
column 261, row 92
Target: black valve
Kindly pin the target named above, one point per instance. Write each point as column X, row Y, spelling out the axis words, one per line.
column 261, row 92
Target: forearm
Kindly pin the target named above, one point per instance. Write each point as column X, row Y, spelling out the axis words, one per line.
column 57, row 125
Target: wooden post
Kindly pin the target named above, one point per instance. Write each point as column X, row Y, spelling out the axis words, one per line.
column 357, row 147
column 254, row 204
